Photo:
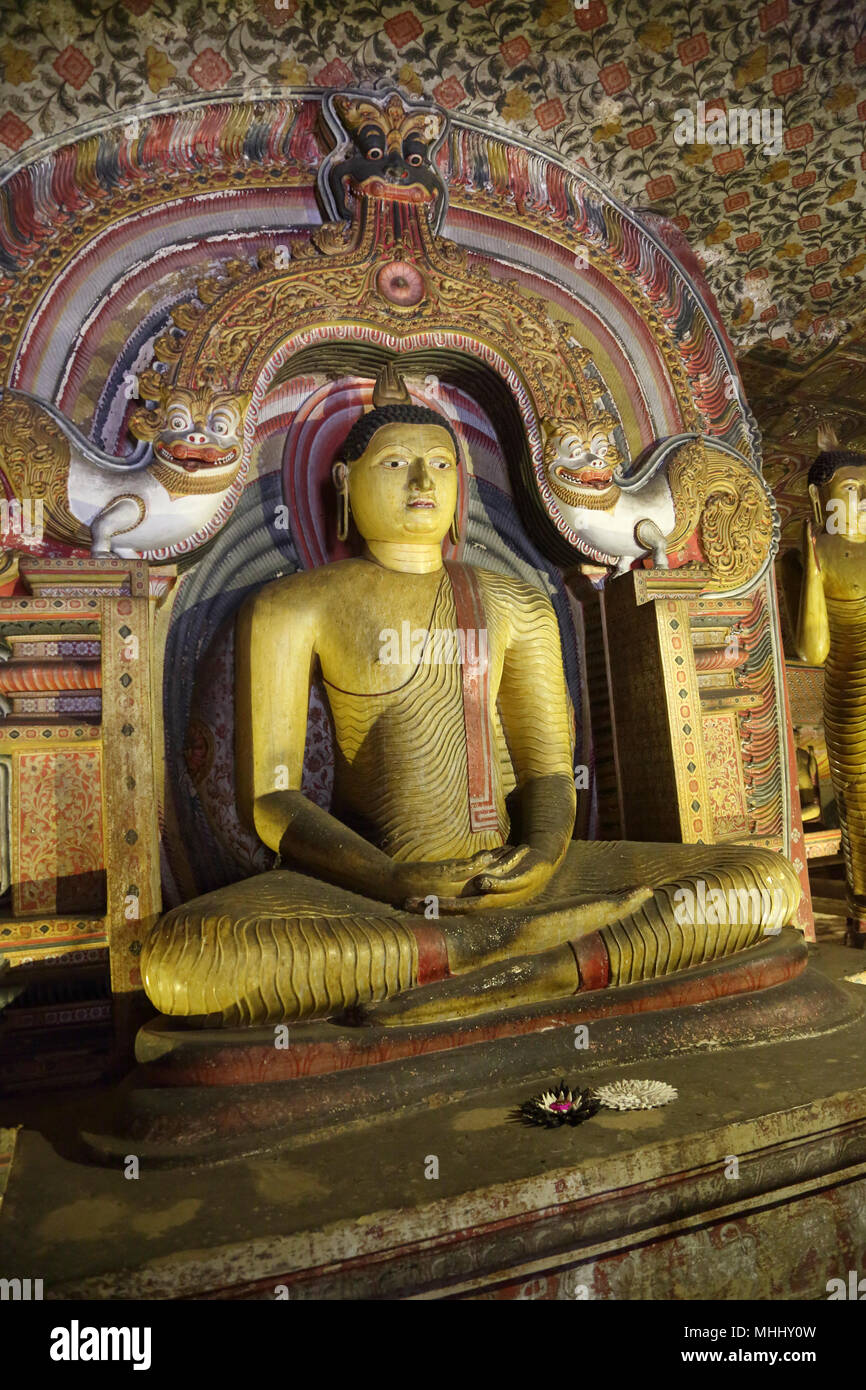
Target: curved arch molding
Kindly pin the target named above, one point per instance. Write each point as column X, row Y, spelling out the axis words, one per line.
column 99, row 235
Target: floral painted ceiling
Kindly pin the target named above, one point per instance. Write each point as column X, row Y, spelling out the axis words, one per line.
column 605, row 83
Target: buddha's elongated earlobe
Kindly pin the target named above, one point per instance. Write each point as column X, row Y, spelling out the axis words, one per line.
column 341, row 482
column 454, row 531
column 817, row 511
column 343, row 516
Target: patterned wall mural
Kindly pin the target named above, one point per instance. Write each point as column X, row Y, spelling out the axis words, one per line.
column 598, row 85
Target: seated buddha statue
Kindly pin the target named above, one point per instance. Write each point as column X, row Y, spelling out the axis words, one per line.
column 444, row 881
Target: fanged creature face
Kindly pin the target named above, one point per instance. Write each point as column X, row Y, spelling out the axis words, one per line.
column 392, row 153
column 196, row 432
column 579, row 461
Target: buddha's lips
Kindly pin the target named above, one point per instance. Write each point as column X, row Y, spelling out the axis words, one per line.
column 422, row 502
column 194, row 456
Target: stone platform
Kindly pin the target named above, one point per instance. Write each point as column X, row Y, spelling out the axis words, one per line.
column 218, row 1093
column 449, row 1197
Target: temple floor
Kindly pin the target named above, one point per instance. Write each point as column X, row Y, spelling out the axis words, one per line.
column 643, row 1204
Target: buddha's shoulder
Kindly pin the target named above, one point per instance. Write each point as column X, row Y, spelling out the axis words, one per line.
column 514, row 594
column 307, row 589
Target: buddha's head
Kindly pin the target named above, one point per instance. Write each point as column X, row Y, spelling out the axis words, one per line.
column 837, row 487
column 397, row 472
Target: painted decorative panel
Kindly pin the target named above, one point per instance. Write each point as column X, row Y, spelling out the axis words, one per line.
column 725, row 775
column 59, row 861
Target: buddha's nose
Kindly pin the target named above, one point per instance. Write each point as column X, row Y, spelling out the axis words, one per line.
column 419, row 476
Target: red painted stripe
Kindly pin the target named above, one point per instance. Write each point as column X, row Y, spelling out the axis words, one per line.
column 432, row 954
column 188, row 1062
column 593, row 962
column 476, row 688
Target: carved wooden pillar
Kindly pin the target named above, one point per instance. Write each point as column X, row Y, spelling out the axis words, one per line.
column 78, row 819
column 658, row 735
column 702, row 729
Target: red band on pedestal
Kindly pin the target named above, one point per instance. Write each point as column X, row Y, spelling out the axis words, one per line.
column 593, row 962
column 432, row 955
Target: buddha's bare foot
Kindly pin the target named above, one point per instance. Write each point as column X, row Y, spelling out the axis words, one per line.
column 551, row 974
column 481, row 939
column 502, row 961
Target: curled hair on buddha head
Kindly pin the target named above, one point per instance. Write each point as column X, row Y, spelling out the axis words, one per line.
column 391, row 405
column 830, row 461
column 831, row 457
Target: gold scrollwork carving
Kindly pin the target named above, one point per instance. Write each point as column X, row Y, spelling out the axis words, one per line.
column 727, row 504
column 34, row 457
column 228, row 336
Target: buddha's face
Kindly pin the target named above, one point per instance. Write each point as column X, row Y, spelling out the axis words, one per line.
column 404, row 485
column 844, row 501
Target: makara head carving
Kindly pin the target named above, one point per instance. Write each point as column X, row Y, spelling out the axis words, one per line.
column 580, row 459
column 392, row 156
column 195, row 432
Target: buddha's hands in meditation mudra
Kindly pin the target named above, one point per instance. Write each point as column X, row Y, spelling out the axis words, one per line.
column 444, row 880
column 492, row 878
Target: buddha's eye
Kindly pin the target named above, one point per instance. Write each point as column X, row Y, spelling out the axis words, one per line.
column 393, row 463
column 440, row 463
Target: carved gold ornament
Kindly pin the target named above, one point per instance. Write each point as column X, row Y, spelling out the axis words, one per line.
column 726, row 502
column 34, row 457
column 393, row 119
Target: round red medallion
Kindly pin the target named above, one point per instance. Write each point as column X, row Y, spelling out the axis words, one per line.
column 401, row 283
